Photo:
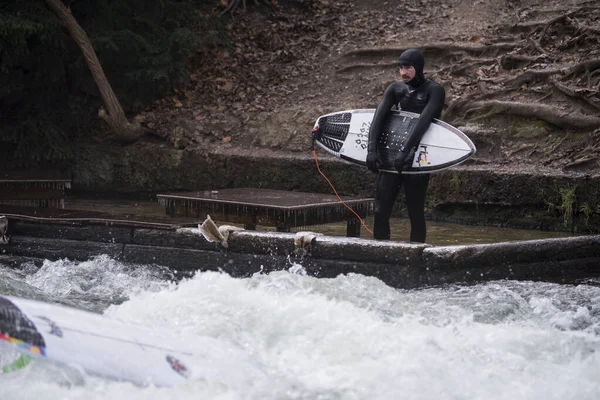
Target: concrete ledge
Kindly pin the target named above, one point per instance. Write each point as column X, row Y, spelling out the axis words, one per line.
column 401, row 265
column 240, row 242
column 73, row 231
column 560, row 259
column 380, row 252
column 54, row 249
column 512, row 253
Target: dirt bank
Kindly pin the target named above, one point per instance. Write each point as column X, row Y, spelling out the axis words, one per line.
column 521, row 79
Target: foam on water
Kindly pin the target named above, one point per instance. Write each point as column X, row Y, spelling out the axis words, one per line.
column 93, row 284
column 290, row 336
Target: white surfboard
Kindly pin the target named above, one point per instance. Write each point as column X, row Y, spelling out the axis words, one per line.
column 98, row 345
column 345, row 134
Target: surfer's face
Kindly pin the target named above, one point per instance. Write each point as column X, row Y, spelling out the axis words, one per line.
column 407, row 72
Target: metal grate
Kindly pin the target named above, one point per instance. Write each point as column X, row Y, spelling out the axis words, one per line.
column 282, row 209
column 33, row 188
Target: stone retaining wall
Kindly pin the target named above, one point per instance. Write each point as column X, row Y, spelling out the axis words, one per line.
column 472, row 194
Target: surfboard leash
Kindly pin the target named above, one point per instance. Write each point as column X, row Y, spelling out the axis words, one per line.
column 314, row 151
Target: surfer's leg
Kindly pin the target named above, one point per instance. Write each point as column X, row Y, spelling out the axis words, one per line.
column 415, row 187
column 388, row 185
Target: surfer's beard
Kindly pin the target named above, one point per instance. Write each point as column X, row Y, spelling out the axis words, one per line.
column 405, row 78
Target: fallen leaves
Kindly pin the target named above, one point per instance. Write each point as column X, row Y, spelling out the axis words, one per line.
column 281, row 61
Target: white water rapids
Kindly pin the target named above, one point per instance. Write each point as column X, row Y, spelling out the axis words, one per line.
column 286, row 335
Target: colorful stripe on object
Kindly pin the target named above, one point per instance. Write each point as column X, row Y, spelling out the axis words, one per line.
column 39, row 350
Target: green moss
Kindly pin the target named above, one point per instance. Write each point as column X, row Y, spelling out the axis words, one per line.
column 587, row 211
column 528, row 128
column 455, row 182
column 567, row 203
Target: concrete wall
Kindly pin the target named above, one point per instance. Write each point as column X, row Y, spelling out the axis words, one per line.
column 474, row 194
column 401, row 265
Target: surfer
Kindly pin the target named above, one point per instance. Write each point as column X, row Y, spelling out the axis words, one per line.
column 420, row 95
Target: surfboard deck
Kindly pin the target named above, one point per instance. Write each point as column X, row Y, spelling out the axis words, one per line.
column 345, row 134
column 99, row 345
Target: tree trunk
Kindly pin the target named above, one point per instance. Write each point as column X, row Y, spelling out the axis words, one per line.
column 115, row 116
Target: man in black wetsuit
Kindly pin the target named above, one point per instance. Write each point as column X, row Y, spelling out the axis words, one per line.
column 415, row 94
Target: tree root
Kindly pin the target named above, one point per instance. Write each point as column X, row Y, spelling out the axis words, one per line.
column 123, row 131
column 586, row 66
column 555, row 20
column 521, row 148
column 537, row 12
column 353, row 67
column 555, row 146
column 543, row 75
column 537, row 46
column 453, row 70
column 465, row 65
column 233, row 4
column 543, row 112
column 528, row 77
column 433, row 50
column 582, row 162
column 534, row 25
column 457, row 107
column 583, row 94
column 516, row 61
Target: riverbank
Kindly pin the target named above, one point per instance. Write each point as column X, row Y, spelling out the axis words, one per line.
column 475, row 193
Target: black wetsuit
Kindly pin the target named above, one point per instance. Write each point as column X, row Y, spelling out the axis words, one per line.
column 422, row 96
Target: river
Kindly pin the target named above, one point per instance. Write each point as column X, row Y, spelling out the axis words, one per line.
column 287, row 335
column 291, row 336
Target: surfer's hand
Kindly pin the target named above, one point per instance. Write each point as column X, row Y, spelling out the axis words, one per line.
column 373, row 162
column 316, row 133
column 400, row 161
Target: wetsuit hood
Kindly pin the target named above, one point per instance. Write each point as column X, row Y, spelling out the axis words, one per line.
column 414, row 57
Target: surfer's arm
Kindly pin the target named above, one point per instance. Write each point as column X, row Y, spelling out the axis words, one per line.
column 433, row 109
column 381, row 113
